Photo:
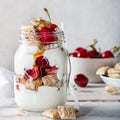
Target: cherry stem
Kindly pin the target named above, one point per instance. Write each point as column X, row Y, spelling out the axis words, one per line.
column 93, row 45
column 48, row 14
column 116, row 49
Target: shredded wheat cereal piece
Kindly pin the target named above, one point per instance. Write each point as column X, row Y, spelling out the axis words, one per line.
column 50, row 80
column 111, row 90
column 33, row 85
column 113, row 70
column 102, row 70
column 51, row 113
column 115, row 75
column 29, row 85
column 67, row 112
column 39, row 23
column 29, row 33
column 28, row 29
column 117, row 66
column 59, row 84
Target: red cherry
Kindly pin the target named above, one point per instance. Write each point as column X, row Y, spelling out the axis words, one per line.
column 74, row 54
column 42, row 62
column 34, row 73
column 81, row 80
column 47, row 35
column 51, row 70
column 45, row 29
column 53, row 26
column 82, row 51
column 107, row 54
column 92, row 54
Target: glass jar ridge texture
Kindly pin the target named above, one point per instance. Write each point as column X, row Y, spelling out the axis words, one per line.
column 41, row 73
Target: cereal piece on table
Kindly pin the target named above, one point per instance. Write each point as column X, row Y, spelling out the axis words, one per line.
column 102, row 70
column 111, row 90
column 51, row 113
column 67, row 112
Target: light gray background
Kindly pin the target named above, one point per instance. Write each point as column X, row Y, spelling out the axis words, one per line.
column 83, row 21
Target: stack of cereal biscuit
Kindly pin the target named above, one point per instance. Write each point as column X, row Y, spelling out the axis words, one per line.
column 112, row 72
column 62, row 112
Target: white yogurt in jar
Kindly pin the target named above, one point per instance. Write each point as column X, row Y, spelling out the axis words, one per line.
column 46, row 96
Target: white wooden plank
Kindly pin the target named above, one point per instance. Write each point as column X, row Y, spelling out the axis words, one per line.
column 88, row 111
column 93, row 92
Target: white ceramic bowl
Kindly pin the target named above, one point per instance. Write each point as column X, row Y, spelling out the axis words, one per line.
column 89, row 66
column 111, row 81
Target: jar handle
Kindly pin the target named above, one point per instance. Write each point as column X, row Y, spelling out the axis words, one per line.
column 68, row 67
column 69, row 86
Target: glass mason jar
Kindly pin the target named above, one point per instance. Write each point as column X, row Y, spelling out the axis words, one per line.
column 41, row 73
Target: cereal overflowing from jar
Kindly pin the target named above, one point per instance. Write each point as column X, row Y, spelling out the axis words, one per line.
column 41, row 30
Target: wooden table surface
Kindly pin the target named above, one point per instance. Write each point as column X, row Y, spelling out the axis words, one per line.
column 94, row 92
column 95, row 104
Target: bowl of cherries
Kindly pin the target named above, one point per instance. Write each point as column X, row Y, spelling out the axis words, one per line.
column 87, row 60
